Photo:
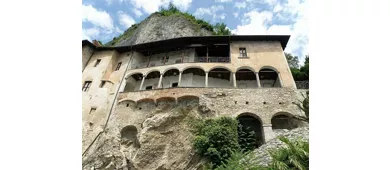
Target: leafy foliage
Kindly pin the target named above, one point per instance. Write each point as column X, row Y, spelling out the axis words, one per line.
column 246, row 138
column 241, row 161
column 304, row 106
column 300, row 73
column 221, row 29
column 293, row 157
column 128, row 33
column 216, row 139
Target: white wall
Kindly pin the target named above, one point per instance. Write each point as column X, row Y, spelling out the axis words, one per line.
column 217, row 82
column 246, row 84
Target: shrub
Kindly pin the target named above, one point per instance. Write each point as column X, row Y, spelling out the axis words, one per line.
column 246, row 138
column 216, row 139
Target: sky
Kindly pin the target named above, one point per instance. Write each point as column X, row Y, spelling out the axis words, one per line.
column 105, row 19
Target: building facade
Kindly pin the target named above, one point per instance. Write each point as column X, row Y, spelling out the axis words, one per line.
column 246, row 77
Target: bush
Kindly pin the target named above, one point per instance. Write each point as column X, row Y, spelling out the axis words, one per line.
column 216, row 139
column 246, row 138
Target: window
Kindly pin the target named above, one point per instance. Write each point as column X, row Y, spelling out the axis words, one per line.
column 243, row 52
column 86, row 86
column 102, row 84
column 149, row 87
column 175, row 84
column 118, row 66
column 93, row 110
column 97, row 62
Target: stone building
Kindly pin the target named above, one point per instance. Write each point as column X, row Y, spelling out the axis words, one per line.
column 246, row 77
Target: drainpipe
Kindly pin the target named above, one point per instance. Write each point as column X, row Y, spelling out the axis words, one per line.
column 113, row 102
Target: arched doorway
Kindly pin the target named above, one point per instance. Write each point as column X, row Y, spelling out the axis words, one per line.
column 193, row 77
column 151, row 80
column 283, row 121
column 133, row 82
column 220, row 77
column 170, row 79
column 246, row 78
column 129, row 135
column 253, row 123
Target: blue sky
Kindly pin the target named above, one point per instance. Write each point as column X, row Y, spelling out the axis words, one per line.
column 105, row 19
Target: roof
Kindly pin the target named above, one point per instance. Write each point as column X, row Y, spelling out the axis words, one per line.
column 86, row 42
column 184, row 41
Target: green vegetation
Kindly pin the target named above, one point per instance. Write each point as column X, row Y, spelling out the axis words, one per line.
column 128, row 33
column 300, row 73
column 217, row 139
column 295, row 156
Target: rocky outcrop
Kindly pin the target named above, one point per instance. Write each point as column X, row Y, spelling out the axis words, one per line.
column 157, row 27
column 161, row 141
column 262, row 153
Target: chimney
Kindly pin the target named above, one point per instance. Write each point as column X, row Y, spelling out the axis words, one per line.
column 96, row 43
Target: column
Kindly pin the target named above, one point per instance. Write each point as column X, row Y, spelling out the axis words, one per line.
column 159, row 81
column 234, row 80
column 258, row 79
column 179, row 82
column 268, row 133
column 142, row 82
column 207, row 79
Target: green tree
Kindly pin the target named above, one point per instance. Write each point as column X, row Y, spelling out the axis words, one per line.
column 216, row 139
column 246, row 138
column 292, row 61
column 221, row 29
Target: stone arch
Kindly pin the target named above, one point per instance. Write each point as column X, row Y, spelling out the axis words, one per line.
column 220, row 77
column 163, row 101
column 129, row 135
column 253, row 122
column 245, row 67
column 189, row 67
column 193, row 76
column 223, row 67
column 127, row 102
column 246, row 78
column 170, row 78
column 151, row 80
column 146, row 103
column 269, row 77
column 169, row 68
column 152, row 70
column 283, row 120
column 133, row 81
column 186, row 99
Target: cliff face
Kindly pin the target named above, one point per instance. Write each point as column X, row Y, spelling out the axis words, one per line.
column 157, row 27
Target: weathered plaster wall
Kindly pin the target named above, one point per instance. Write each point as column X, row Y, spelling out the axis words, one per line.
column 100, row 98
column 87, row 53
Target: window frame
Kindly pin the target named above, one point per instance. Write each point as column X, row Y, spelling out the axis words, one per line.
column 97, row 62
column 86, row 86
column 118, row 66
column 243, row 52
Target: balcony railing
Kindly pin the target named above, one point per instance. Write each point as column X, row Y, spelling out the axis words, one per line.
column 154, row 63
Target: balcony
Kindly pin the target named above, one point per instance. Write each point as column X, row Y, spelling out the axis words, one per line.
column 155, row 63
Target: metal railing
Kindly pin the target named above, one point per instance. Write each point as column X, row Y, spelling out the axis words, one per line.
column 302, row 84
column 154, row 63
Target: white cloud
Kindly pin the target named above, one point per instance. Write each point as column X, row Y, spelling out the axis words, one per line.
column 125, row 20
column 98, row 18
column 240, row 5
column 223, row 1
column 212, row 11
column 137, row 12
column 258, row 23
column 150, row 6
column 271, row 2
column 90, row 34
column 109, row 2
column 235, row 14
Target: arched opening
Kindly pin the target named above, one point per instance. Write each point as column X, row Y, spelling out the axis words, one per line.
column 129, row 135
column 145, row 103
column 151, row 81
column 250, row 122
column 164, row 102
column 188, row 99
column 170, row 79
column 133, row 82
column 220, row 77
column 269, row 78
column 246, row 78
column 283, row 121
column 193, row 77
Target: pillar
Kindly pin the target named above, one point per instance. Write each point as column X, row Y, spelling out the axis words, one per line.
column 207, row 79
column 234, row 80
column 142, row 82
column 268, row 133
column 159, row 81
column 258, row 79
column 179, row 82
